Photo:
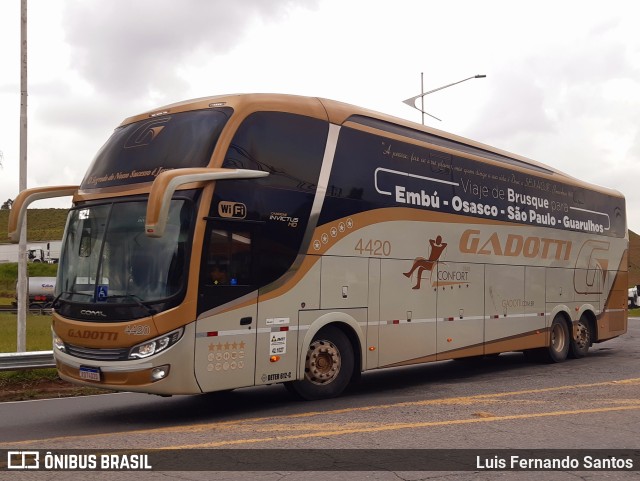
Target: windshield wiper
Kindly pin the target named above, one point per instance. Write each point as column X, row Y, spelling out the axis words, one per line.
column 55, row 304
column 136, row 300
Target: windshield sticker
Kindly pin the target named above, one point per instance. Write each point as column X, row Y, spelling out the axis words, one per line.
column 102, row 292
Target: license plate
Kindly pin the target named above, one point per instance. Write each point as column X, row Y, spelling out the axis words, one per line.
column 90, row 373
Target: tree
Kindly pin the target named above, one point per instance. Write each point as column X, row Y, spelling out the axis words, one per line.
column 7, row 205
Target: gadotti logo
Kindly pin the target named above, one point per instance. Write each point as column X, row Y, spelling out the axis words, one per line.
column 420, row 264
column 93, row 335
column 592, row 266
column 146, row 133
column 473, row 241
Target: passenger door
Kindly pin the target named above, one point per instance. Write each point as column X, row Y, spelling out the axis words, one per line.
column 227, row 306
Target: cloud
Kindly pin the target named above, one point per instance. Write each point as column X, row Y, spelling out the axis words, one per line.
column 132, row 48
column 561, row 88
column 9, row 87
column 94, row 64
column 515, row 105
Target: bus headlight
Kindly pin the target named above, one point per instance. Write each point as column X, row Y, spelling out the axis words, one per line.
column 154, row 346
column 57, row 342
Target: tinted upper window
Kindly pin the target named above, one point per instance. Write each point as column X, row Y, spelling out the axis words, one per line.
column 444, row 142
column 288, row 146
column 138, row 152
column 256, row 226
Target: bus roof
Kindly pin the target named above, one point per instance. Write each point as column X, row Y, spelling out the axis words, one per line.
column 341, row 113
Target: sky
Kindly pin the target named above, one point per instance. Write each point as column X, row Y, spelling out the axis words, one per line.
column 562, row 85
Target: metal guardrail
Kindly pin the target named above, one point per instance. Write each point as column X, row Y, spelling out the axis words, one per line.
column 18, row 361
column 40, row 310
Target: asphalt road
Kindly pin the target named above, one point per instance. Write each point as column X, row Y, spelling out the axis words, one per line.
column 502, row 403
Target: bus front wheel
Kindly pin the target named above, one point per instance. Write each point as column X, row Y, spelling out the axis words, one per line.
column 328, row 366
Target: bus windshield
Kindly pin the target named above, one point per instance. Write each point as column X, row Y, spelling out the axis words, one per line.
column 106, row 256
column 139, row 152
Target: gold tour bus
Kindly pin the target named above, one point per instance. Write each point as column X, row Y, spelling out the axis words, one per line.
column 255, row 239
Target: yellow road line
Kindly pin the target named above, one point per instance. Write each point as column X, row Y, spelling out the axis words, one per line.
column 443, row 401
column 398, row 426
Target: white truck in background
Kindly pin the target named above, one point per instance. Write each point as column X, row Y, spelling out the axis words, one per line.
column 42, row 255
column 633, row 296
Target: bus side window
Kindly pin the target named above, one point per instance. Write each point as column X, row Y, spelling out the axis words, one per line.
column 229, row 258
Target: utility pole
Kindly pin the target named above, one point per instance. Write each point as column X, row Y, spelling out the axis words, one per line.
column 22, row 247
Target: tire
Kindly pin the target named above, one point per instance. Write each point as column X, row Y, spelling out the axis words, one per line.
column 559, row 342
column 328, row 367
column 579, row 346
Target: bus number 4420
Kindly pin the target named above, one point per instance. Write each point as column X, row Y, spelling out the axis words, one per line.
column 373, row 247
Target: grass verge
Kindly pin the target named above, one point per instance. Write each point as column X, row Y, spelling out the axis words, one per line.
column 39, row 384
column 34, row 383
column 38, row 332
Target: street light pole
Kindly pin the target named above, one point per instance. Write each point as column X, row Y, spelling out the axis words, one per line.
column 22, row 248
column 421, row 97
column 411, row 102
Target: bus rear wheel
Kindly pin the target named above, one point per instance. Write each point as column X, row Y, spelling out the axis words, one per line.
column 328, row 366
column 581, row 343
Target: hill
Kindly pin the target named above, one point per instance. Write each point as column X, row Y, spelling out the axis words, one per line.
column 42, row 224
